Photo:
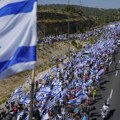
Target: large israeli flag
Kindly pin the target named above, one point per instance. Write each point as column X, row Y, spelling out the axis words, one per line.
column 18, row 36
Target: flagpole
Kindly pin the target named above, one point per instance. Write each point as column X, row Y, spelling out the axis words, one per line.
column 32, row 83
column 32, row 95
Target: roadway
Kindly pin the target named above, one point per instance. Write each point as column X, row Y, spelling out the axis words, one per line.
column 110, row 87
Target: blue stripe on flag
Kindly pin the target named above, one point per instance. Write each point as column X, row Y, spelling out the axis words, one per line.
column 16, row 8
column 23, row 54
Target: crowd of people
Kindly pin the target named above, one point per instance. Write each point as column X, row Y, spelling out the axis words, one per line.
column 67, row 92
column 64, row 37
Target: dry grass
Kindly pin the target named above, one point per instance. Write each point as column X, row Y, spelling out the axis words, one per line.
column 8, row 85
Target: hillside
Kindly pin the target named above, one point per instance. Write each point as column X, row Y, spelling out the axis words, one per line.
column 53, row 19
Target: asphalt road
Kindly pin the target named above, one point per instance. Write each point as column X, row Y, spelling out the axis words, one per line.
column 110, row 87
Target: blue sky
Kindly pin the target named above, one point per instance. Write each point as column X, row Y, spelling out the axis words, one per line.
column 90, row 3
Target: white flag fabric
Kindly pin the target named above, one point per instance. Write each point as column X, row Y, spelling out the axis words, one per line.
column 18, row 36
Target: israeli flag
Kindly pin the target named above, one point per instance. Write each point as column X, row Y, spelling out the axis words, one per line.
column 26, row 101
column 81, row 92
column 89, row 83
column 18, row 36
column 18, row 90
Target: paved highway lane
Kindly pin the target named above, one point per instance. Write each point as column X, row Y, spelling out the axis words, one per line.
column 110, row 87
column 115, row 100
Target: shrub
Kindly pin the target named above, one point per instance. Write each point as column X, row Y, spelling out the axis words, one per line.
column 74, row 43
column 4, row 100
column 91, row 40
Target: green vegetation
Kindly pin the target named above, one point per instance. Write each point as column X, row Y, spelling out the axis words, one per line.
column 91, row 40
column 53, row 19
column 74, row 43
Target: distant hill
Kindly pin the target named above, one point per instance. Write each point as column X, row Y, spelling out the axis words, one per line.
column 53, row 19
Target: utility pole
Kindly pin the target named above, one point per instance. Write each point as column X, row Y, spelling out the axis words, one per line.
column 81, row 2
column 95, row 13
column 104, row 17
column 118, row 15
column 68, row 30
column 44, row 23
column 32, row 94
column 80, row 7
column 95, row 17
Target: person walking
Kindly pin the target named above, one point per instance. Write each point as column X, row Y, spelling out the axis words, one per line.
column 94, row 93
column 63, row 113
column 85, row 117
column 116, row 66
column 114, row 54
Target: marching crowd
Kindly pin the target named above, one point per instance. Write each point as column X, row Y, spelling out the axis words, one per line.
column 63, row 37
column 67, row 92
